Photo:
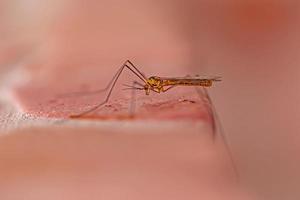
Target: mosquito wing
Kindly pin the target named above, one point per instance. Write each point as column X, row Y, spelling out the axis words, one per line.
column 196, row 77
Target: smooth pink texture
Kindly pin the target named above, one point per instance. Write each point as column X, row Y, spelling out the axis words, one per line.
column 137, row 162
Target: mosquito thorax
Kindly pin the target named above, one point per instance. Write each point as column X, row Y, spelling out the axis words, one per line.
column 154, row 81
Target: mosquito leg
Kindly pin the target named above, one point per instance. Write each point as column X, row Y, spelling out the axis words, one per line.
column 137, row 69
column 136, row 83
column 90, row 110
column 134, row 70
column 92, row 92
column 207, row 100
column 218, row 128
column 119, row 72
column 133, row 99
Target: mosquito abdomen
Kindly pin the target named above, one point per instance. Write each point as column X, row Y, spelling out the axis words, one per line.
column 188, row 82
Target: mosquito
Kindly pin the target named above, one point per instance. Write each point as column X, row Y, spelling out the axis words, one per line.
column 149, row 84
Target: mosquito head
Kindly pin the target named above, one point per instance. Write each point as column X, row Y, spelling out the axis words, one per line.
column 154, row 81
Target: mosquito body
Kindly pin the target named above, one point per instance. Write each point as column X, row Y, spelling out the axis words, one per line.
column 154, row 83
column 163, row 84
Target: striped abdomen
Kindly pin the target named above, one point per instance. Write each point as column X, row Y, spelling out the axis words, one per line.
column 188, row 82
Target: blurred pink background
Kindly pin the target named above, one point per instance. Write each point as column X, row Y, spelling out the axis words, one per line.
column 254, row 45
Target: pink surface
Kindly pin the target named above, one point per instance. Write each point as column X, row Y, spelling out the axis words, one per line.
column 158, row 162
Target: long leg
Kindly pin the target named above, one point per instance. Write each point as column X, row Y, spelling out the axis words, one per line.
column 135, row 70
column 119, row 72
column 145, row 78
column 92, row 92
column 131, row 87
column 218, row 127
column 133, row 99
column 209, row 108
